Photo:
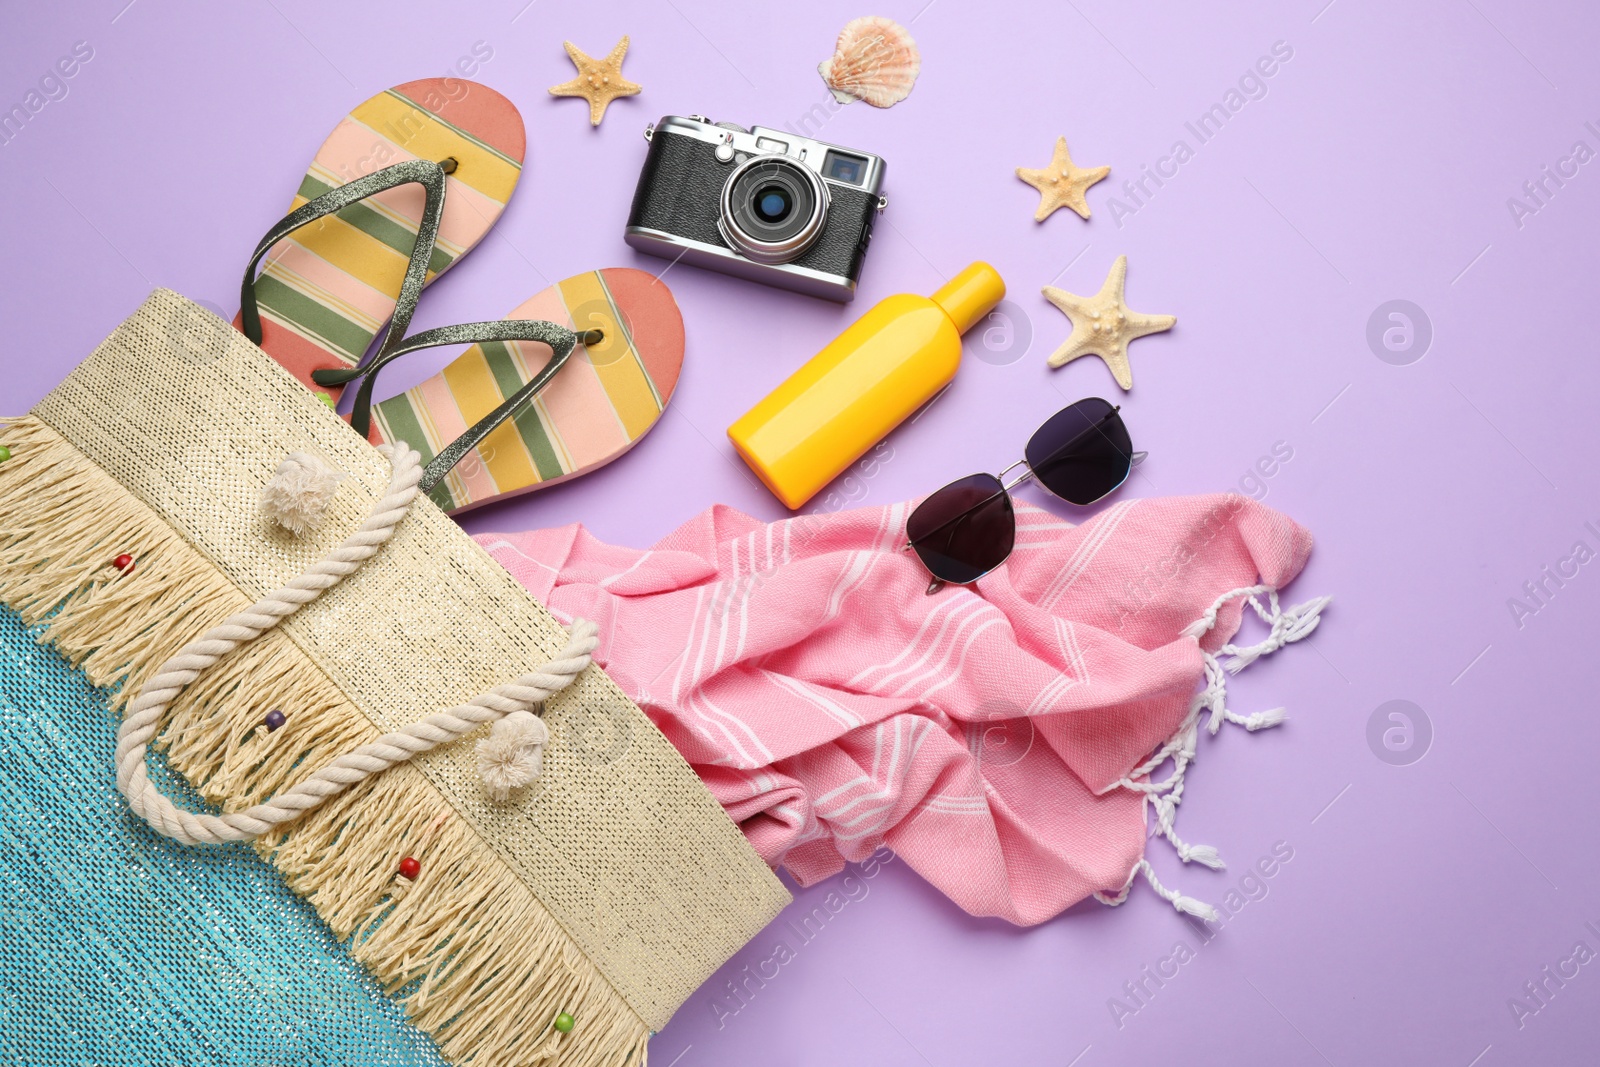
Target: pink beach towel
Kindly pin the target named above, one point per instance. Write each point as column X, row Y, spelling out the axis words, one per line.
column 1000, row 739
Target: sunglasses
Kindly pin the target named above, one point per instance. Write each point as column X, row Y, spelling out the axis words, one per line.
column 1081, row 454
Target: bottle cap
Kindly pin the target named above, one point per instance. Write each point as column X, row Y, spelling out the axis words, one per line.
column 971, row 295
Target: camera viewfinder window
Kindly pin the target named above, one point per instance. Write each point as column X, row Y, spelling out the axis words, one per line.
column 842, row 168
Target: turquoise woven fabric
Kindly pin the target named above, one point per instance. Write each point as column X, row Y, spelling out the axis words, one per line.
column 122, row 947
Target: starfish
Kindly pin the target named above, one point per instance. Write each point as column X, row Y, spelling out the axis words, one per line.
column 599, row 81
column 1103, row 325
column 1062, row 183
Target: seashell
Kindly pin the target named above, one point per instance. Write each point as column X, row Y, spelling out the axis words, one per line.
column 875, row 60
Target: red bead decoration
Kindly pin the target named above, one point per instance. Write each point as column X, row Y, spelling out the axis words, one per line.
column 410, row 868
column 123, row 563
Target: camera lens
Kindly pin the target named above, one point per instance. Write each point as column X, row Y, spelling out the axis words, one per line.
column 772, row 209
column 772, row 204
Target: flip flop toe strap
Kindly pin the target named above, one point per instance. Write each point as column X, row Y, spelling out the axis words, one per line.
column 561, row 340
column 429, row 175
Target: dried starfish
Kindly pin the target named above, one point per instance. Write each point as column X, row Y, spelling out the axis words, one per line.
column 1103, row 325
column 599, row 81
column 1062, row 183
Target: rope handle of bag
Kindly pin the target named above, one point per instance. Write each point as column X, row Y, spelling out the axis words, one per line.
column 145, row 712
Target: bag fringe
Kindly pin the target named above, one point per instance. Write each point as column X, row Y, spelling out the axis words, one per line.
column 476, row 960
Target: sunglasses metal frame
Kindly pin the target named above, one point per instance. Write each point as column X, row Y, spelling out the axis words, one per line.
column 1134, row 460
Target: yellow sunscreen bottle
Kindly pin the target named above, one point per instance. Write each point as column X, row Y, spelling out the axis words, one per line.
column 847, row 397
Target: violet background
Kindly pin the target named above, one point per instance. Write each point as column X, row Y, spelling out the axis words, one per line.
column 1377, row 167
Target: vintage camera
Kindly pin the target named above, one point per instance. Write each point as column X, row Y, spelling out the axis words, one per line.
column 766, row 205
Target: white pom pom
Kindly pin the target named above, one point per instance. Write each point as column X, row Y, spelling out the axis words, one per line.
column 299, row 492
column 513, row 753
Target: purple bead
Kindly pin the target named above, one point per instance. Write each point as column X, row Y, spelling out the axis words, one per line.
column 274, row 719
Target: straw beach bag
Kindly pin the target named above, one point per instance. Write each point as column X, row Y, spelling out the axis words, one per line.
column 601, row 894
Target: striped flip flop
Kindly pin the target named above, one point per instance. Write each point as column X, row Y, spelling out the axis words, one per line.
column 508, row 417
column 328, row 289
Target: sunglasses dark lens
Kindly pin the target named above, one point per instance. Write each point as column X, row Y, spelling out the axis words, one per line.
column 1082, row 453
column 965, row 530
